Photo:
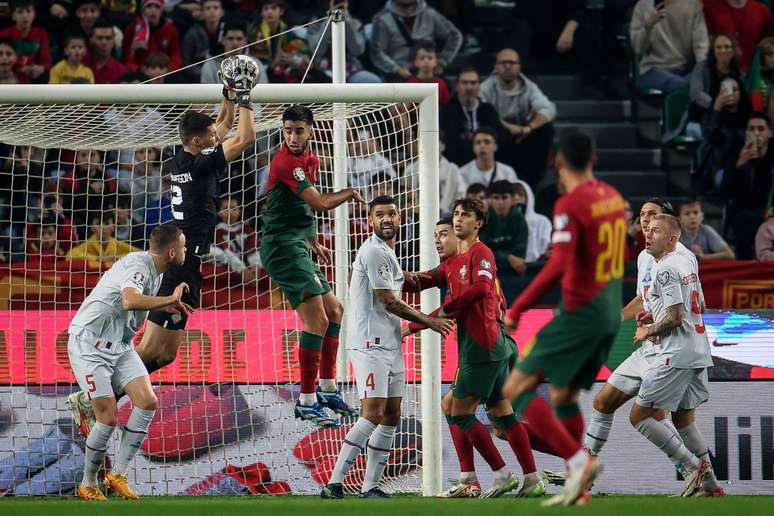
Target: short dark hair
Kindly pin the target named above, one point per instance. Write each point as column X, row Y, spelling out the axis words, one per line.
column 102, row 23
column 21, row 4
column 278, row 3
column 474, row 205
column 8, row 42
column 234, row 24
column 131, row 77
column 163, row 236
column 468, row 69
column 156, row 60
column 444, row 221
column 426, row 45
column 760, row 115
column 101, row 217
column 502, row 187
column 81, row 3
column 193, row 124
column 381, row 200
column 685, row 203
column 476, row 188
column 298, row 113
column 576, row 147
column 74, row 35
column 486, row 130
column 666, row 206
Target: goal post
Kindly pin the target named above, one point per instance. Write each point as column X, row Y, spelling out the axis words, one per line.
column 56, row 117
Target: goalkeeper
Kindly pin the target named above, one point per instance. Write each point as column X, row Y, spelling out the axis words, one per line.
column 289, row 239
column 195, row 171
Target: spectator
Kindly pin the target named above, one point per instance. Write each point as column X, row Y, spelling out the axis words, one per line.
column 700, row 238
column 365, row 160
column 185, row 14
column 158, row 210
column 635, row 239
column 478, row 192
column 381, row 183
column 464, row 114
column 7, row 63
column 155, row 67
column 236, row 242
column 21, row 186
column 760, row 81
column 234, row 38
column 52, row 212
column 151, row 32
column 120, row 12
column 764, row 241
column 670, row 38
column 106, row 68
column 354, row 41
column 450, row 186
column 725, row 130
column 87, row 12
column 203, row 39
column 43, row 246
column 425, row 66
column 399, row 26
column 128, row 228
column 484, row 168
column 101, row 248
column 722, row 62
column 539, row 241
column 71, row 69
column 526, row 114
column 506, row 231
column 750, row 21
column 33, row 55
column 143, row 180
column 748, row 185
column 287, row 55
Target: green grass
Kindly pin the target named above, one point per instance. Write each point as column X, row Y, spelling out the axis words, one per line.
column 398, row 506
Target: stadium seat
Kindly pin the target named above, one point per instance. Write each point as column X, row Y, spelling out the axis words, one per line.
column 672, row 113
column 639, row 93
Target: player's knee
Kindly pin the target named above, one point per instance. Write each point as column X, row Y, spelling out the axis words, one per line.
column 446, row 405
column 602, row 403
column 334, row 313
column 107, row 417
column 148, row 402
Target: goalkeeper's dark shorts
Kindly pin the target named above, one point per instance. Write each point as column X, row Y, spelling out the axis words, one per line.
column 190, row 273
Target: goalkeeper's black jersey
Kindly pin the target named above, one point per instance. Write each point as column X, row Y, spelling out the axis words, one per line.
column 194, row 195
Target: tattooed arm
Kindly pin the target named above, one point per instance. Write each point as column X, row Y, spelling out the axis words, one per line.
column 396, row 306
column 673, row 319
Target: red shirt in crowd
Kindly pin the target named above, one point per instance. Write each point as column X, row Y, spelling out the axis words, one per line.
column 30, row 49
column 163, row 38
column 110, row 73
column 750, row 24
column 444, row 94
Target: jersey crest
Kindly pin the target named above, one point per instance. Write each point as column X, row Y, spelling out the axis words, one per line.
column 298, row 174
column 663, row 278
column 138, row 277
column 463, row 271
column 208, row 150
column 383, row 270
column 485, row 264
column 560, row 221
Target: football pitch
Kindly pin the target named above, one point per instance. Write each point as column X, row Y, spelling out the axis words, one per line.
column 397, row 506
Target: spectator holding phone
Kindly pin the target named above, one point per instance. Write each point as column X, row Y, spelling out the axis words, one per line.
column 670, row 37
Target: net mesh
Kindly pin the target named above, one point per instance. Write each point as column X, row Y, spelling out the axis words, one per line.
column 81, row 185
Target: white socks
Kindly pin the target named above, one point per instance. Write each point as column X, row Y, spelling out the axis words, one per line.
column 328, row 384
column 695, row 442
column 668, row 442
column 96, row 447
column 133, row 435
column 468, row 477
column 307, row 399
column 354, row 442
column 379, row 446
column 501, row 474
column 598, row 431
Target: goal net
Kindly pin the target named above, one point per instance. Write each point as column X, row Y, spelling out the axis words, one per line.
column 83, row 180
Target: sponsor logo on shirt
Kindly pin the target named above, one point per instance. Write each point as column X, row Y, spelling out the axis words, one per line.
column 298, row 174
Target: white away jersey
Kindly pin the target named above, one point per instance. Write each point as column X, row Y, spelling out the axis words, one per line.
column 102, row 312
column 369, row 324
column 676, row 281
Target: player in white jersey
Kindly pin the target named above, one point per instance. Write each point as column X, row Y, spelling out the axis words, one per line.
column 677, row 378
column 374, row 340
column 104, row 361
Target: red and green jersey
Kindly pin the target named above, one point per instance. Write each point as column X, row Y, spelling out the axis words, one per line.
column 587, row 253
column 474, row 298
column 287, row 216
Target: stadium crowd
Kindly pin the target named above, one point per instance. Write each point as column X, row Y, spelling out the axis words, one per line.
column 497, row 125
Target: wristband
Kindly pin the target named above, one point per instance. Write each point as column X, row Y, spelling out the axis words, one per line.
column 243, row 100
column 229, row 94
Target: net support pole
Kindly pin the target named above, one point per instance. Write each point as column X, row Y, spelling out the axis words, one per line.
column 431, row 298
column 341, row 226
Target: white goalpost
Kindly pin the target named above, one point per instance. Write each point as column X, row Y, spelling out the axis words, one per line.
column 72, row 152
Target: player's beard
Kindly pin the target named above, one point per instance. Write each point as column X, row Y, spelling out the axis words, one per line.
column 382, row 233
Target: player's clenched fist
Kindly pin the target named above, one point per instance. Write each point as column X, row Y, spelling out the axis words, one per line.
column 441, row 325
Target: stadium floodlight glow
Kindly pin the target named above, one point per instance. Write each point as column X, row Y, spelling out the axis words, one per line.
column 117, row 119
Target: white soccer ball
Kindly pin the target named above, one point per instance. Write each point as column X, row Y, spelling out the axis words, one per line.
column 240, row 72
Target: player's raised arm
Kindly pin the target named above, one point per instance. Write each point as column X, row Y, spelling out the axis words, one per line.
column 239, row 74
column 325, row 202
column 226, row 115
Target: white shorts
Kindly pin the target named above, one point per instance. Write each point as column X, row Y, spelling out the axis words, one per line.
column 627, row 377
column 379, row 372
column 672, row 389
column 102, row 372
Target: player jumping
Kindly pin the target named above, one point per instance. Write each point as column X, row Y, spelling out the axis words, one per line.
column 195, row 171
column 103, row 359
column 374, row 344
column 587, row 254
column 289, row 238
column 677, row 378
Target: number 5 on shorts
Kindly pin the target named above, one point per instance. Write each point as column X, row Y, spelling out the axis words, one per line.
column 90, row 382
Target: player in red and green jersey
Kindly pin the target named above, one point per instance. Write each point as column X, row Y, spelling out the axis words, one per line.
column 484, row 349
column 587, row 255
column 289, row 239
